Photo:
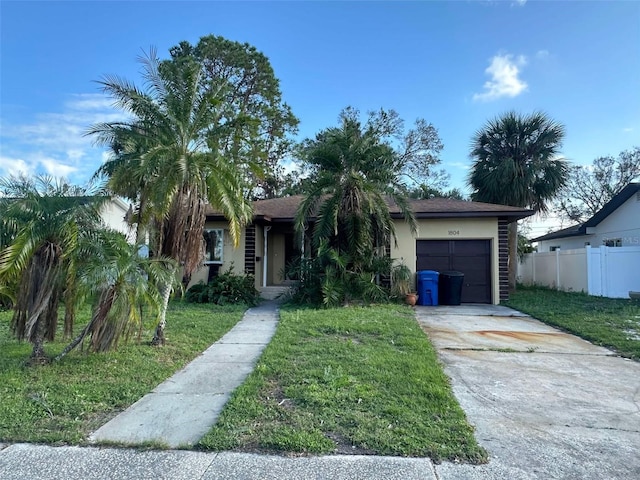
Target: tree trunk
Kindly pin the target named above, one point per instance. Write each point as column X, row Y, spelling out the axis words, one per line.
column 35, row 314
column 70, row 297
column 158, row 337
column 38, row 357
column 69, row 319
column 76, row 341
column 513, row 255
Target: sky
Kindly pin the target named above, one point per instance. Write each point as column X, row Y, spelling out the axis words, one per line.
column 457, row 64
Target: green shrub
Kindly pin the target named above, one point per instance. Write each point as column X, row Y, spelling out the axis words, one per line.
column 332, row 278
column 199, row 293
column 227, row 288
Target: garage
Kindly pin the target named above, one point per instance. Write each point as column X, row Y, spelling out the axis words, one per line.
column 471, row 257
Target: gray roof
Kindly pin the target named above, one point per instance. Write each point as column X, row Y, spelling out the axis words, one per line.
column 610, row 207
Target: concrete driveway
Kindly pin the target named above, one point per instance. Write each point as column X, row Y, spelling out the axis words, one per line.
column 545, row 404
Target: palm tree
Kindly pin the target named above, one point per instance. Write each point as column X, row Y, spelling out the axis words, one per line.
column 355, row 176
column 47, row 219
column 120, row 281
column 516, row 163
column 164, row 162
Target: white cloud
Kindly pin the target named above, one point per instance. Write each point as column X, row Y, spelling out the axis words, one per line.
column 106, row 156
column 56, row 168
column 55, row 142
column 290, row 166
column 89, row 101
column 75, row 153
column 15, row 166
column 462, row 165
column 627, row 130
column 519, row 3
column 505, row 82
column 542, row 54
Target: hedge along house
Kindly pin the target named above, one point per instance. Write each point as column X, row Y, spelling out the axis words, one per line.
column 469, row 237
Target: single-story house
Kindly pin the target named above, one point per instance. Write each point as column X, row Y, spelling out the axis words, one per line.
column 617, row 224
column 469, row 237
column 114, row 214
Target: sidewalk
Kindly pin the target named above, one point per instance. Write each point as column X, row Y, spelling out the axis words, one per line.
column 179, row 411
column 24, row 461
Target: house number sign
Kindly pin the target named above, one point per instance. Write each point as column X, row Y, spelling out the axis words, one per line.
column 453, row 233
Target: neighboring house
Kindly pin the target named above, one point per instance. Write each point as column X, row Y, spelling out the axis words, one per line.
column 114, row 214
column 617, row 224
column 452, row 234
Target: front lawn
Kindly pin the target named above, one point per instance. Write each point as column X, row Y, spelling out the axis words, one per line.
column 65, row 401
column 347, row 380
column 610, row 322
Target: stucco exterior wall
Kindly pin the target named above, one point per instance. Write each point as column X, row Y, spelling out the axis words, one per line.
column 231, row 254
column 113, row 215
column 624, row 223
column 569, row 243
column 449, row 229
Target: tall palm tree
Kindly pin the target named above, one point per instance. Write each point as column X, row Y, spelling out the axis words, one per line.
column 163, row 161
column 355, row 176
column 48, row 219
column 516, row 162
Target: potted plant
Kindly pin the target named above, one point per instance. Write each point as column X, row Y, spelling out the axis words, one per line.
column 401, row 277
column 411, row 298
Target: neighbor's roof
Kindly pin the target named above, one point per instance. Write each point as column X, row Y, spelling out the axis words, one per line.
column 610, row 207
column 573, row 231
column 284, row 209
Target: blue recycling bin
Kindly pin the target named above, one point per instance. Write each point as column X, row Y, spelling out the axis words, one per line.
column 427, row 284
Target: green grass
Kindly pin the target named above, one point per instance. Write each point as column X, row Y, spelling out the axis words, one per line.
column 64, row 401
column 347, row 380
column 610, row 322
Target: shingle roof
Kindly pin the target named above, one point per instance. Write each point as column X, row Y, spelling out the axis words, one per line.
column 572, row 231
column 600, row 215
column 284, row 209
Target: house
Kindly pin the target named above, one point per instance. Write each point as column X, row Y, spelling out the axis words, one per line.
column 600, row 256
column 114, row 214
column 617, row 224
column 470, row 237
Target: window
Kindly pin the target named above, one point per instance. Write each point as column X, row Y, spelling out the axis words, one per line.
column 214, row 245
column 587, row 244
column 612, row 242
column 554, row 248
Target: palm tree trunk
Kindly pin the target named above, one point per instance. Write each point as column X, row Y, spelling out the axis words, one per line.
column 35, row 312
column 513, row 254
column 75, row 342
column 158, row 337
column 69, row 306
column 38, row 357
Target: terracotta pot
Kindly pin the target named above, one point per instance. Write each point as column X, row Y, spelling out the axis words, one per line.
column 412, row 298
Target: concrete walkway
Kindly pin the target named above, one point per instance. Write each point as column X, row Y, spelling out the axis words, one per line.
column 545, row 404
column 179, row 411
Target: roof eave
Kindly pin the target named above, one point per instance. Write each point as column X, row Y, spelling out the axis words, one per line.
column 510, row 215
column 551, row 236
column 625, row 194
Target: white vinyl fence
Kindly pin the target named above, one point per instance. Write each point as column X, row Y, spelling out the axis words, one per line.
column 603, row 271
